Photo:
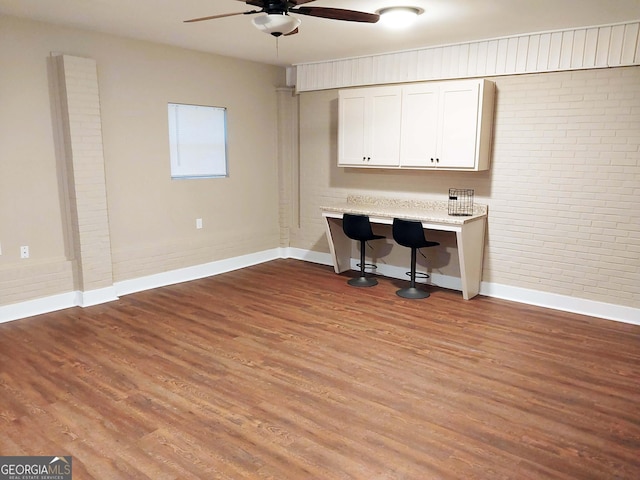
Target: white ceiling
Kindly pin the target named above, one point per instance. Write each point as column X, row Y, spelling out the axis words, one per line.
column 443, row 22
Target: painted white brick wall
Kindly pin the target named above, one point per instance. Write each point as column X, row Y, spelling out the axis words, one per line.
column 287, row 162
column 563, row 190
column 566, row 185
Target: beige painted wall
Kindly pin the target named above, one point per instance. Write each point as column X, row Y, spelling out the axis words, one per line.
column 151, row 217
column 563, row 189
column 562, row 192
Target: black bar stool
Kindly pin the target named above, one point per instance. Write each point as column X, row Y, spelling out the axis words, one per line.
column 358, row 227
column 409, row 233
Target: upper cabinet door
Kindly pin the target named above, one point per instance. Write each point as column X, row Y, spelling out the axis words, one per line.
column 419, row 132
column 351, row 128
column 369, row 127
column 384, row 127
column 459, row 123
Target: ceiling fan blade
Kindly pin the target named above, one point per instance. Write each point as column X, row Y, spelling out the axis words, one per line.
column 220, row 16
column 337, row 14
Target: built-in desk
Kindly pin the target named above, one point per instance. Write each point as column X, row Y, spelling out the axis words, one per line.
column 470, row 231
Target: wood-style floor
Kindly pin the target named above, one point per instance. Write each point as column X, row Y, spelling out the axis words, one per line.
column 282, row 371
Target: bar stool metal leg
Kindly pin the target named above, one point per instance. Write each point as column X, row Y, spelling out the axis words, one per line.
column 409, row 233
column 358, row 227
column 412, row 291
column 362, row 280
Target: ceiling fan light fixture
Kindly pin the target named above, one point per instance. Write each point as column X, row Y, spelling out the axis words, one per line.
column 398, row 17
column 276, row 23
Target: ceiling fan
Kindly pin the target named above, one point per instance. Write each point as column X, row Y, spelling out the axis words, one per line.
column 277, row 20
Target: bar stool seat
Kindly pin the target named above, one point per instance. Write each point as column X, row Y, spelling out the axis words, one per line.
column 409, row 233
column 358, row 227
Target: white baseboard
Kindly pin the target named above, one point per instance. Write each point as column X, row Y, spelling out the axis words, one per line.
column 583, row 306
column 38, row 306
column 554, row 301
column 308, row 256
column 565, row 303
column 96, row 297
column 195, row 272
column 54, row 303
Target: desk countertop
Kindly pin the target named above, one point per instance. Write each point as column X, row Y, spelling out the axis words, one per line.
column 425, row 211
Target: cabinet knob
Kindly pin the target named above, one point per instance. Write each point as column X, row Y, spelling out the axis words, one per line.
column 432, row 160
column 437, row 160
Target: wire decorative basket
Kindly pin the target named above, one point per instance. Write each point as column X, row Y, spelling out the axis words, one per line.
column 461, row 202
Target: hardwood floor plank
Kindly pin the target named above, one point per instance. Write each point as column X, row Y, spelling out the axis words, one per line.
column 283, row 371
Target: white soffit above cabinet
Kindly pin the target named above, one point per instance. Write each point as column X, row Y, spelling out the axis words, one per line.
column 572, row 49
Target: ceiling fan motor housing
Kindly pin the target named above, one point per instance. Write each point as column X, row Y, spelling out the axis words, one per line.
column 275, row 7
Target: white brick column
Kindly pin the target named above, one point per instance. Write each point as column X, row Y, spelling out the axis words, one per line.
column 81, row 128
column 287, row 163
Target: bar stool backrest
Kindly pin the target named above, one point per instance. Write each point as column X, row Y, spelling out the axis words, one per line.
column 409, row 233
column 358, row 227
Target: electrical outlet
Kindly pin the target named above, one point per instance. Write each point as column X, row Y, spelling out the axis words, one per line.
column 24, row 251
column 198, row 223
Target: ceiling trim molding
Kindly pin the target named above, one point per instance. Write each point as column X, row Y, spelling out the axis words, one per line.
column 603, row 46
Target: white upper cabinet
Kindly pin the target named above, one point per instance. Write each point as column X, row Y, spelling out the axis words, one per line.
column 369, row 127
column 443, row 125
column 447, row 125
